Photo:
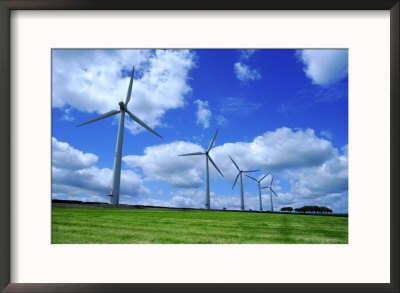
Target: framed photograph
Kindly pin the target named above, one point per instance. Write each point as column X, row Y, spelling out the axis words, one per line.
column 202, row 146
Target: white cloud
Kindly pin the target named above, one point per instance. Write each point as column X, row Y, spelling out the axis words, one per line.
column 323, row 185
column 245, row 73
column 67, row 115
column 66, row 157
column 328, row 178
column 162, row 162
column 246, row 54
column 203, row 113
column 338, row 202
column 96, row 80
column 311, row 169
column 324, row 67
column 276, row 151
column 75, row 176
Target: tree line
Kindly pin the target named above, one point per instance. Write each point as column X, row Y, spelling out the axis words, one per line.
column 308, row 209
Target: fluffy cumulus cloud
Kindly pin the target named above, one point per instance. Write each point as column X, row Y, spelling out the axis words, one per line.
column 76, row 176
column 162, row 162
column 96, row 81
column 203, row 113
column 66, row 157
column 308, row 171
column 324, row 67
column 244, row 73
column 275, row 150
column 311, row 165
column 327, row 178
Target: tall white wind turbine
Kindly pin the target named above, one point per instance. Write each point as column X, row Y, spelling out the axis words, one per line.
column 208, row 158
column 116, row 178
column 270, row 192
column 259, row 187
column 241, row 182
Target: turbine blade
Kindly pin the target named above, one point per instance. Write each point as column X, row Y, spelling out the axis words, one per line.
column 273, row 192
column 252, row 177
column 128, row 95
column 212, row 162
column 265, row 176
column 142, row 123
column 272, row 180
column 108, row 114
column 250, row 171
column 192, row 154
column 212, row 141
column 234, row 163
column 265, row 187
column 235, row 180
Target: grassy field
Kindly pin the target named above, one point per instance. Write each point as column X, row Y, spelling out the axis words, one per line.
column 70, row 225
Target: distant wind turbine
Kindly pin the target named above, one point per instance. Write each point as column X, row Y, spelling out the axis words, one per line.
column 259, row 187
column 114, row 196
column 270, row 192
column 241, row 182
column 208, row 158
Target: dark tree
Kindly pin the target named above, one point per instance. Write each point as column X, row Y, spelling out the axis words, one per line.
column 325, row 210
column 287, row 209
column 313, row 209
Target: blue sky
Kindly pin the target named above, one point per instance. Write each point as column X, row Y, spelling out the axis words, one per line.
column 280, row 111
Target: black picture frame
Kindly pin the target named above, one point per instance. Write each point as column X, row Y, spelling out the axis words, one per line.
column 6, row 6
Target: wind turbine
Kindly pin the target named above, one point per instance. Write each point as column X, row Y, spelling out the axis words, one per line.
column 259, row 187
column 270, row 192
column 208, row 158
column 114, row 196
column 241, row 182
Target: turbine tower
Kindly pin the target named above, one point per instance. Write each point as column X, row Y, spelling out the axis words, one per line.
column 241, row 182
column 259, row 187
column 270, row 192
column 208, row 158
column 116, row 178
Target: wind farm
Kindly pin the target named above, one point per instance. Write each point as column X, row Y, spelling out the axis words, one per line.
column 164, row 191
column 116, row 177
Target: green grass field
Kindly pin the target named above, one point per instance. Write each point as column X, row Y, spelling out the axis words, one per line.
column 71, row 225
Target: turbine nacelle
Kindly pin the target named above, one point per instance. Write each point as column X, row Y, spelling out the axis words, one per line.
column 122, row 106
